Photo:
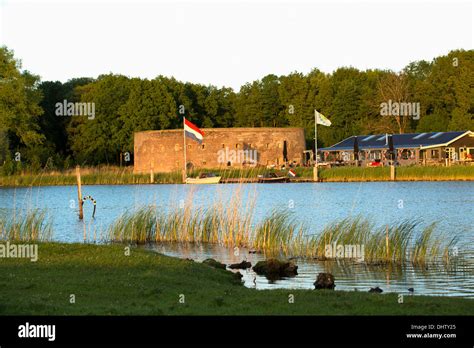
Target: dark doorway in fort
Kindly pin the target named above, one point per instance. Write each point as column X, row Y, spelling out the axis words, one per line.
column 285, row 152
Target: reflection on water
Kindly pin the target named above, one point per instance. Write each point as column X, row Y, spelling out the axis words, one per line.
column 458, row 280
column 315, row 204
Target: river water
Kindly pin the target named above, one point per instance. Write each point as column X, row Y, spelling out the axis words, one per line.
column 450, row 204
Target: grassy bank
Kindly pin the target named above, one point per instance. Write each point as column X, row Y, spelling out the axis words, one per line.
column 411, row 173
column 122, row 176
column 107, row 282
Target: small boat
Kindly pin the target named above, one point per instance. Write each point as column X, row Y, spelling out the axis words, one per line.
column 204, row 178
column 272, row 178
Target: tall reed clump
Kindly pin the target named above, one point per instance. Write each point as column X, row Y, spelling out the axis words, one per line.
column 230, row 223
column 398, row 243
column 33, row 225
column 280, row 233
column 226, row 222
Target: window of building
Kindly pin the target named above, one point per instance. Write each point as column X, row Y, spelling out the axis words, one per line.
column 203, row 162
column 223, row 146
column 176, row 147
column 203, row 146
column 405, row 155
column 375, row 155
column 451, row 153
column 237, row 146
column 434, row 153
column 468, row 153
column 189, row 147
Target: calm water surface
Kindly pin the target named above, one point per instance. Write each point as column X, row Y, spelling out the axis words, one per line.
column 451, row 204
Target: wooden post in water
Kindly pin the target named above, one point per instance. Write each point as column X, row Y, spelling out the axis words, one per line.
column 392, row 172
column 79, row 193
column 315, row 173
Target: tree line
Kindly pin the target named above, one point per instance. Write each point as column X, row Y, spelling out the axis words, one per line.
column 30, row 127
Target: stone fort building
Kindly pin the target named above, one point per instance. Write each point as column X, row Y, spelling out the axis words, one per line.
column 162, row 151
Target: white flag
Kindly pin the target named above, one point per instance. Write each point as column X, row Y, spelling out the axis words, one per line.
column 321, row 119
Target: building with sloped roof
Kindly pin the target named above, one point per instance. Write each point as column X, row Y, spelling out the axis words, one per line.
column 411, row 148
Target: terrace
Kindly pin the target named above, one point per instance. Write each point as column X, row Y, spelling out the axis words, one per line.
column 434, row 148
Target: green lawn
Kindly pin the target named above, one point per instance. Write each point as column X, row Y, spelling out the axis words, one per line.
column 106, row 282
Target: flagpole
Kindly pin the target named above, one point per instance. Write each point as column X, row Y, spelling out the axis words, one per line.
column 184, row 151
column 315, row 170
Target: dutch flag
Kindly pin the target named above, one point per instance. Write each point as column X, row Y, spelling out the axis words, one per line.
column 192, row 131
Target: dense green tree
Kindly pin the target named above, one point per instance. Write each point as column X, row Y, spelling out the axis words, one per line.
column 54, row 127
column 19, row 108
column 100, row 140
column 350, row 98
column 445, row 91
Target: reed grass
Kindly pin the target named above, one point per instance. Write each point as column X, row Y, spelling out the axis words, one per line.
column 113, row 175
column 408, row 173
column 33, row 225
column 399, row 243
column 354, row 174
column 280, row 234
column 102, row 175
column 226, row 222
column 455, row 172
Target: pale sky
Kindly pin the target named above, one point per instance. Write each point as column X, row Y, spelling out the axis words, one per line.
column 228, row 43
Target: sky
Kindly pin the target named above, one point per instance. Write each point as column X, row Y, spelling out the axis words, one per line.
column 228, row 42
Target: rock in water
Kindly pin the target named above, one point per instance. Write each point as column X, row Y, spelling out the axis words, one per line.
column 289, row 269
column 214, row 263
column 325, row 281
column 243, row 265
column 376, row 290
column 274, row 269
